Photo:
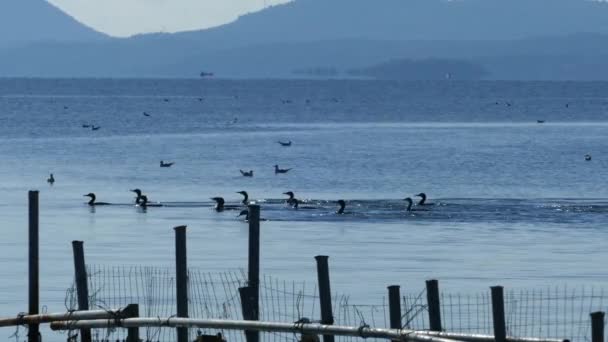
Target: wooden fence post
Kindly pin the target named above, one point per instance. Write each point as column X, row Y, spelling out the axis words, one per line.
column 597, row 326
column 434, row 306
column 254, row 260
column 132, row 311
column 498, row 314
column 327, row 316
column 394, row 306
column 82, row 288
column 33, row 265
column 181, row 279
column 248, row 304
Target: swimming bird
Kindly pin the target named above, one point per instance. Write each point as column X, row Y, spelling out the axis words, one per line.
column 284, row 143
column 166, row 100
column 86, row 126
column 51, row 179
column 540, row 121
column 146, row 114
column 245, row 200
column 246, row 214
column 138, row 193
column 410, row 203
column 277, row 170
column 291, row 198
column 93, row 198
column 247, row 173
column 163, row 164
column 95, row 128
column 342, row 206
column 587, row 157
column 422, row 201
column 144, row 203
column 220, row 205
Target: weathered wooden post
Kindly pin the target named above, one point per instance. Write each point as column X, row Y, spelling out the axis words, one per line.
column 432, row 299
column 132, row 311
column 597, row 326
column 498, row 314
column 181, row 279
column 394, row 306
column 82, row 288
column 254, row 246
column 34, row 265
column 254, row 258
column 327, row 316
column 248, row 304
column 250, row 294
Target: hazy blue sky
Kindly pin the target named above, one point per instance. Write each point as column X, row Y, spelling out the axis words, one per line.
column 127, row 17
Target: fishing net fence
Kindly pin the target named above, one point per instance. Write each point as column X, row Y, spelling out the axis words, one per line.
column 555, row 312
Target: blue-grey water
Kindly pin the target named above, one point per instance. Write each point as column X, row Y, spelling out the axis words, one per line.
column 516, row 203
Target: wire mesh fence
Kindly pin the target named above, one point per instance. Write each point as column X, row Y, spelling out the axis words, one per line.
column 556, row 312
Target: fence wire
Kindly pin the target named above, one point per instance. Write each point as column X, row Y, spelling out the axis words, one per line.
column 556, row 312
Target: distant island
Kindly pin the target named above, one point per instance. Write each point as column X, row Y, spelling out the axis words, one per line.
column 427, row 69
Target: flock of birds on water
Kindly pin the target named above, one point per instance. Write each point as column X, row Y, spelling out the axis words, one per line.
column 291, row 202
column 294, row 203
column 142, row 201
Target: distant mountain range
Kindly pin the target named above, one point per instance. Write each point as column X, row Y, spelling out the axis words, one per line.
column 29, row 21
column 494, row 39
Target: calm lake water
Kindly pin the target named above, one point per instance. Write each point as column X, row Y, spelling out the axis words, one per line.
column 516, row 203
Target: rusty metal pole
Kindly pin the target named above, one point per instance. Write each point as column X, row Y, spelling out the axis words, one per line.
column 597, row 326
column 394, row 306
column 327, row 316
column 82, row 288
column 34, row 265
column 181, row 279
column 498, row 314
column 432, row 298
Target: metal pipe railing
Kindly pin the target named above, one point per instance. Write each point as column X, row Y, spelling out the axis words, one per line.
column 62, row 316
column 298, row 328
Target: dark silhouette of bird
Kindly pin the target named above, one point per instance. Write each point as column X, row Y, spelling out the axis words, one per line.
column 291, row 200
column 146, row 114
column 286, row 144
column 422, row 201
column 163, row 164
column 51, row 179
column 95, row 128
column 93, row 198
column 245, row 197
column 278, row 170
column 138, row 193
column 247, row 173
column 342, row 206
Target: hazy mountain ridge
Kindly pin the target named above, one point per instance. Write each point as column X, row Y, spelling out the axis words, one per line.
column 345, row 35
column 315, row 20
column 28, row 21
